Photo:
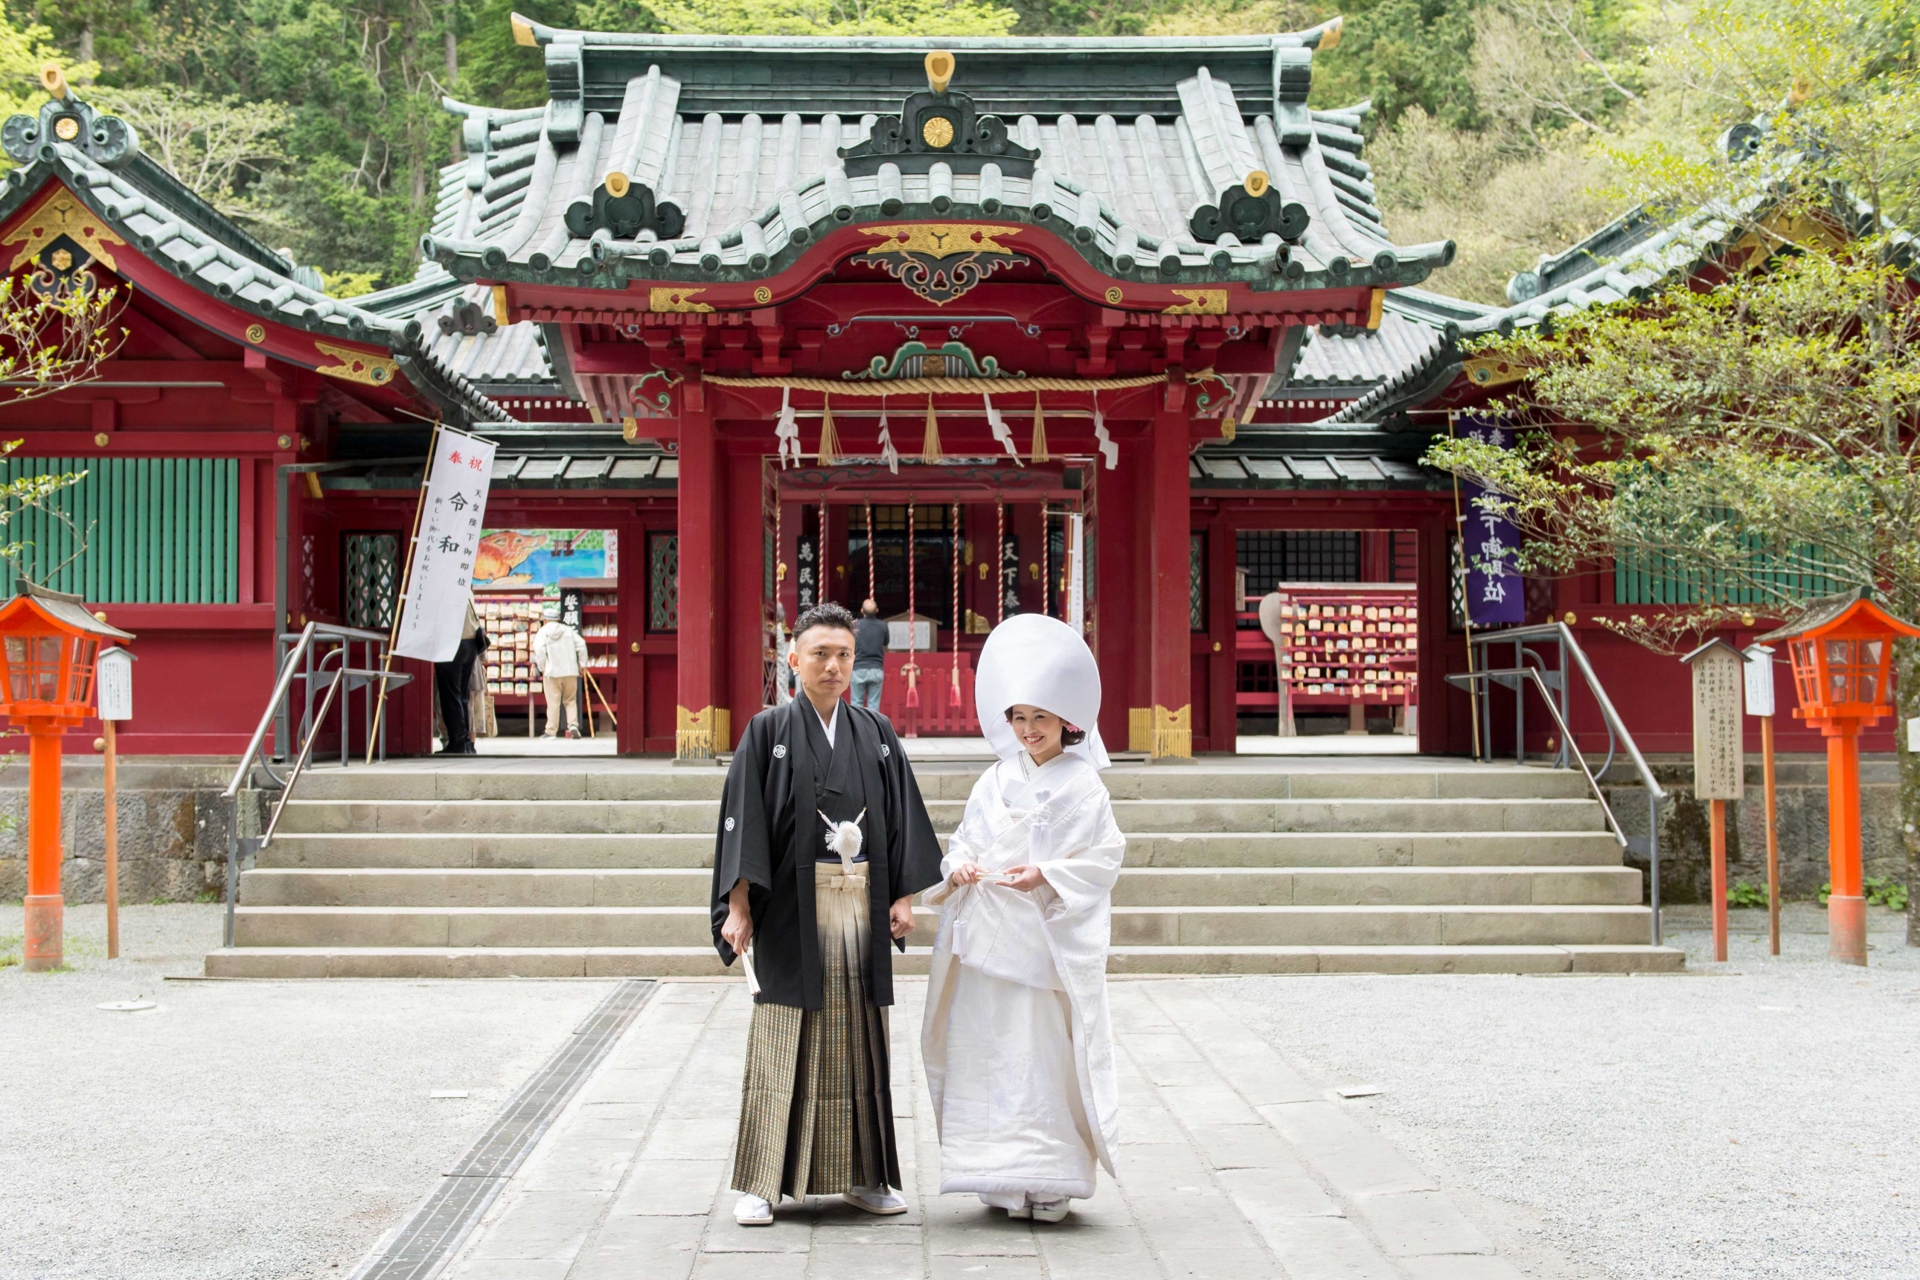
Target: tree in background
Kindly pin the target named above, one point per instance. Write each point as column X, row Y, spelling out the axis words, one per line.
column 1752, row 437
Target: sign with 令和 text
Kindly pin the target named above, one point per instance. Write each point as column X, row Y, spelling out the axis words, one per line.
column 440, row 570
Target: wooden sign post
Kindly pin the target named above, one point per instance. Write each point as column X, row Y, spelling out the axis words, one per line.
column 1759, row 672
column 1719, row 763
column 113, row 677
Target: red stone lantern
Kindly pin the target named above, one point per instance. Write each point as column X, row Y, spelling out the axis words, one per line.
column 1842, row 653
column 48, row 644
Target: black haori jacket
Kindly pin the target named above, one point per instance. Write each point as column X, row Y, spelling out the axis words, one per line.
column 770, row 835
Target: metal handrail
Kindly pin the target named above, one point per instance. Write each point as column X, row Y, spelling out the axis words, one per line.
column 290, row 670
column 1618, row 736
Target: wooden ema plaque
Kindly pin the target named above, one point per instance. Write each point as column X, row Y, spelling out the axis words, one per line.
column 1719, row 764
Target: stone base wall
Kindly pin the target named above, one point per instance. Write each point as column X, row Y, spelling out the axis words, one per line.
column 173, row 828
column 1686, row 860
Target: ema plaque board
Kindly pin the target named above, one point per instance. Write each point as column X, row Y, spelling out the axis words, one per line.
column 1719, row 764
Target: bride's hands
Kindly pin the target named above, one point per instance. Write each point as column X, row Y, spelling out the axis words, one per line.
column 965, row 874
column 1025, row 879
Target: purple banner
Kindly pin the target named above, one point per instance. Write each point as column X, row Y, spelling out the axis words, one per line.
column 1496, row 597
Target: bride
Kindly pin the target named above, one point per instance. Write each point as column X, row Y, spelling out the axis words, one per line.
column 1017, row 1043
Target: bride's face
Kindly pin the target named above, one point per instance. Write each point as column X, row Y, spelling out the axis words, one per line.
column 1038, row 731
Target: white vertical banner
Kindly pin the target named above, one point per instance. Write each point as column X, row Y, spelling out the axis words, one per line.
column 440, row 567
column 1076, row 573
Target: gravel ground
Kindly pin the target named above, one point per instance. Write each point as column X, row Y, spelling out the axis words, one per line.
column 1747, row 1120
column 241, row 1129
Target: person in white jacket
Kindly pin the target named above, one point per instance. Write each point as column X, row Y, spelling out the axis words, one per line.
column 1017, row 1041
column 559, row 653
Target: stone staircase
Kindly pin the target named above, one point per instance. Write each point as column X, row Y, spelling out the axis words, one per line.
column 546, row 868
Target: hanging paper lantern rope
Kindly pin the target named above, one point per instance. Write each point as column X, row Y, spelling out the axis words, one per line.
column 1039, row 430
column 829, row 438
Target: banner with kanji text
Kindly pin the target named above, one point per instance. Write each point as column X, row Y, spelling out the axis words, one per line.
column 440, row 568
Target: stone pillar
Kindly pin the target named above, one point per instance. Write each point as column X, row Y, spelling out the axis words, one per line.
column 701, row 726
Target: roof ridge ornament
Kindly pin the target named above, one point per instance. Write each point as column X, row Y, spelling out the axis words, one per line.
column 937, row 126
column 64, row 117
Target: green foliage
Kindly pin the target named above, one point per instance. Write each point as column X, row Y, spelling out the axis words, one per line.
column 835, row 17
column 1879, row 891
column 1743, row 894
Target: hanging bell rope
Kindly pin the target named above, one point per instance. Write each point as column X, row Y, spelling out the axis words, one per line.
column 953, row 687
column 912, row 669
column 873, row 574
column 1000, row 558
column 1046, row 562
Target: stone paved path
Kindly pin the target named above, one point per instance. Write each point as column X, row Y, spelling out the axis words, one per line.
column 1233, row 1166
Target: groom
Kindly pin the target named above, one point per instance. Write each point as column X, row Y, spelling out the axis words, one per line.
column 814, row 923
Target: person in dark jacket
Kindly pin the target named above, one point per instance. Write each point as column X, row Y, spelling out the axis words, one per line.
column 869, row 657
column 823, row 842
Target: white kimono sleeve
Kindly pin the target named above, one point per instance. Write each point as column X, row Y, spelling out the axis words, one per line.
column 1085, row 877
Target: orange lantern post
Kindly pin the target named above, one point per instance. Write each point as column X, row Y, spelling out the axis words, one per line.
column 48, row 644
column 1842, row 653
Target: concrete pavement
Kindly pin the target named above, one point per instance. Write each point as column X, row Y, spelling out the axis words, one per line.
column 1232, row 1165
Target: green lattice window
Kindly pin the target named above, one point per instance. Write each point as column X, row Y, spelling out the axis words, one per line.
column 1196, row 582
column 663, row 582
column 137, row 530
column 372, row 567
column 1642, row 577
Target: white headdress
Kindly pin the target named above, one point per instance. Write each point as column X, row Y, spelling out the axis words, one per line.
column 1041, row 662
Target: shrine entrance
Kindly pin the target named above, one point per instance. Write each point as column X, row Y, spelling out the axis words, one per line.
column 946, row 552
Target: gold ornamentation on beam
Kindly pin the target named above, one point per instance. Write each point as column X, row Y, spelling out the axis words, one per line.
column 1114, row 295
column 1199, row 302
column 937, row 132
column 675, row 298
column 357, row 366
column 256, row 334
column 62, row 214
column 1491, row 371
column 763, row 295
column 940, row 261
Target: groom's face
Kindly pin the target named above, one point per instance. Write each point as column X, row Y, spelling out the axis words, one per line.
column 824, row 658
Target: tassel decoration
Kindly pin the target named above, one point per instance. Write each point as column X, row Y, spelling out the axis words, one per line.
column 829, row 438
column 930, row 446
column 1039, row 430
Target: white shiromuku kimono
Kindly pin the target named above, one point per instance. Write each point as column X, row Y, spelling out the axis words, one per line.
column 1017, row 1040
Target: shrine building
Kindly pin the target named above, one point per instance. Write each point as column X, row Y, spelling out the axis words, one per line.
column 1109, row 329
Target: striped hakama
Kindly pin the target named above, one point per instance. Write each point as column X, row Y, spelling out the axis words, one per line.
column 816, row 1103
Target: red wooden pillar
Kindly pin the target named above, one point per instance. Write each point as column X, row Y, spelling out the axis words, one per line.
column 743, row 639
column 1169, row 707
column 1436, row 698
column 1118, row 601
column 701, row 723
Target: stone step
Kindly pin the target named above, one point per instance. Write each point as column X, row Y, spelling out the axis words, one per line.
column 1137, row 887
column 292, row 849
column 1313, row 926
column 1202, row 780
column 567, row 817
column 700, row 962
